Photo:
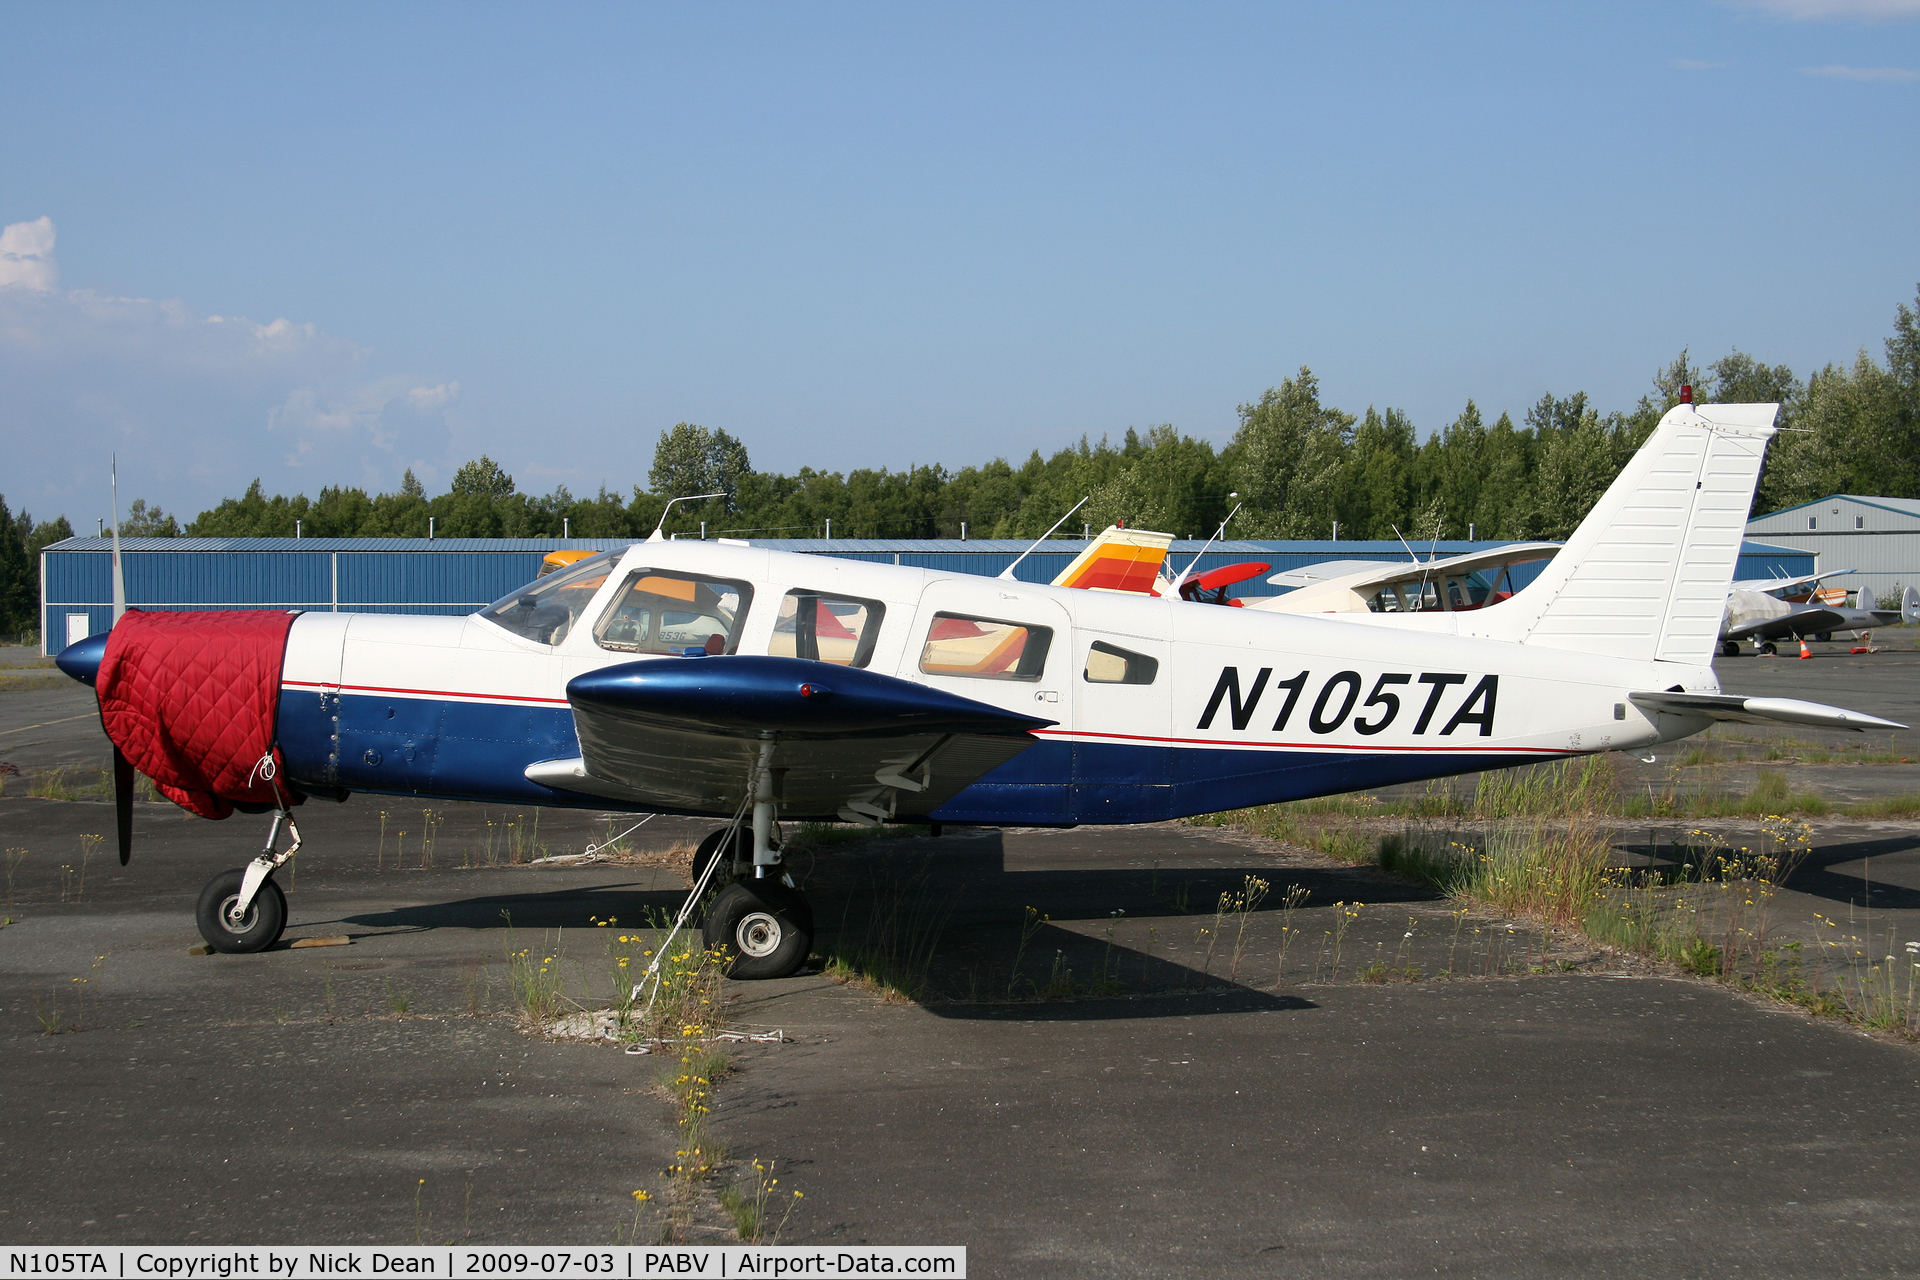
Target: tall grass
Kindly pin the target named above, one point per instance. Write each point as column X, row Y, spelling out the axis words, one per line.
column 905, row 918
column 1552, row 871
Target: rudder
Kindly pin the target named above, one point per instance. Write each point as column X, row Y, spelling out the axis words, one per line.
column 1645, row 576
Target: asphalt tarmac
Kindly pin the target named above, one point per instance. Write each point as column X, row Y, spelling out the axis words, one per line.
column 1235, row 1102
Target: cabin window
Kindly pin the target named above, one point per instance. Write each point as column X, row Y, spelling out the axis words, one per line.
column 1859, row 522
column 984, row 648
column 546, row 609
column 662, row 612
column 1813, row 522
column 1110, row 664
column 827, row 628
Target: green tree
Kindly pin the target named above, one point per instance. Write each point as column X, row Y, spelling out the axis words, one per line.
column 145, row 522
column 19, row 579
column 1288, row 454
column 691, row 459
column 480, row 478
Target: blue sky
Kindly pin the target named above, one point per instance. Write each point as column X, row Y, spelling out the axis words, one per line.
column 320, row 244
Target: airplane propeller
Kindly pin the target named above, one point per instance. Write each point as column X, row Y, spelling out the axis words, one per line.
column 123, row 803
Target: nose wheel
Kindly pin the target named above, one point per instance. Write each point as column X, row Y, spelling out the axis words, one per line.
column 233, row 928
column 243, row 910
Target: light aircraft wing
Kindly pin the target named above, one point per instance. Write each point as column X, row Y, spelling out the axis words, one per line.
column 1731, row 706
column 1781, row 584
column 1118, row 560
column 1378, row 573
column 1801, row 622
column 684, row 733
column 1312, row 575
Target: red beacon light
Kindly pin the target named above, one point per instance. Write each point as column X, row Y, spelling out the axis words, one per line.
column 1686, row 394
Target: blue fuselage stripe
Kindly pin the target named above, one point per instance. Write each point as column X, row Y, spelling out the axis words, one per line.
column 456, row 750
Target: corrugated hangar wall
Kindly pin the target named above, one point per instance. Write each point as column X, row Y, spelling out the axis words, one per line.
column 1878, row 538
column 460, row 575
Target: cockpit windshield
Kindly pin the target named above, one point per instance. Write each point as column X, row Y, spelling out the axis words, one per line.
column 546, row 609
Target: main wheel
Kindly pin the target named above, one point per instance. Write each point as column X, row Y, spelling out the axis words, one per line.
column 258, row 929
column 1824, row 637
column 765, row 926
column 741, row 853
column 740, row 850
column 1769, row 649
column 1730, row 649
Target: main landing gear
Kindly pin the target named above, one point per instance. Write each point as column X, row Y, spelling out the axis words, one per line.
column 761, row 919
column 243, row 910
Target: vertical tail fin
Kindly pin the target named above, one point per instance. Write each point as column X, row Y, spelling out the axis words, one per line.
column 1645, row 575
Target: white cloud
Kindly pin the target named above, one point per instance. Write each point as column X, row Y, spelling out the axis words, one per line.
column 26, row 255
column 196, row 406
column 424, row 398
column 1900, row 74
column 1835, row 10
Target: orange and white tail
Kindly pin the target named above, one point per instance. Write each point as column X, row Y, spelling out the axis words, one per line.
column 1118, row 560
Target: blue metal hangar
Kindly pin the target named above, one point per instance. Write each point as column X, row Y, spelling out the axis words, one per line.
column 461, row 575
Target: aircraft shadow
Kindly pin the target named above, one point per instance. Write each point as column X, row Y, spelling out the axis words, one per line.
column 569, row 908
column 1814, row 876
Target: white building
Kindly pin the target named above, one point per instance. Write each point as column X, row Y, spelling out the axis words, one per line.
column 1878, row 538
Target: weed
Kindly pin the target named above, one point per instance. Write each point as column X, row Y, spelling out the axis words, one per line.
column 52, row 1021
column 1343, row 918
column 88, row 846
column 478, row 991
column 747, row 1203
column 1031, row 922
column 1242, row 906
column 52, row 786
column 523, row 839
column 14, row 858
column 536, row 980
column 398, row 1002
column 1295, row 898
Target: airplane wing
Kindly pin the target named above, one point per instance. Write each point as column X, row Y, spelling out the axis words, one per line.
column 1781, row 584
column 685, row 733
column 1118, row 560
column 1362, row 574
column 1801, row 622
column 1312, row 575
column 1731, row 706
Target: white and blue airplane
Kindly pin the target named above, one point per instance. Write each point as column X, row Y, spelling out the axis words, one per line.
column 717, row 679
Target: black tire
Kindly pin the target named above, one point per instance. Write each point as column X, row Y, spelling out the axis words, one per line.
column 1823, row 636
column 1730, row 649
column 724, row 875
column 766, row 928
column 1769, row 649
column 266, row 915
column 710, row 849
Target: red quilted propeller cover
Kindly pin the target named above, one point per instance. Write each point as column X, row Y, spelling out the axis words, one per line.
column 190, row 698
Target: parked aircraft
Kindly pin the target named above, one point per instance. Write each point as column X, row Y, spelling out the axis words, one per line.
column 1756, row 613
column 721, row 680
column 1474, row 580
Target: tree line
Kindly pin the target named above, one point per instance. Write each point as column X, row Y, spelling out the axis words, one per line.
column 1296, row 468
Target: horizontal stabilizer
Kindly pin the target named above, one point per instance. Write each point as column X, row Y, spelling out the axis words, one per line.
column 1731, row 706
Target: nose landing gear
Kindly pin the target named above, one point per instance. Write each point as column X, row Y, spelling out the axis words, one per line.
column 243, row 910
